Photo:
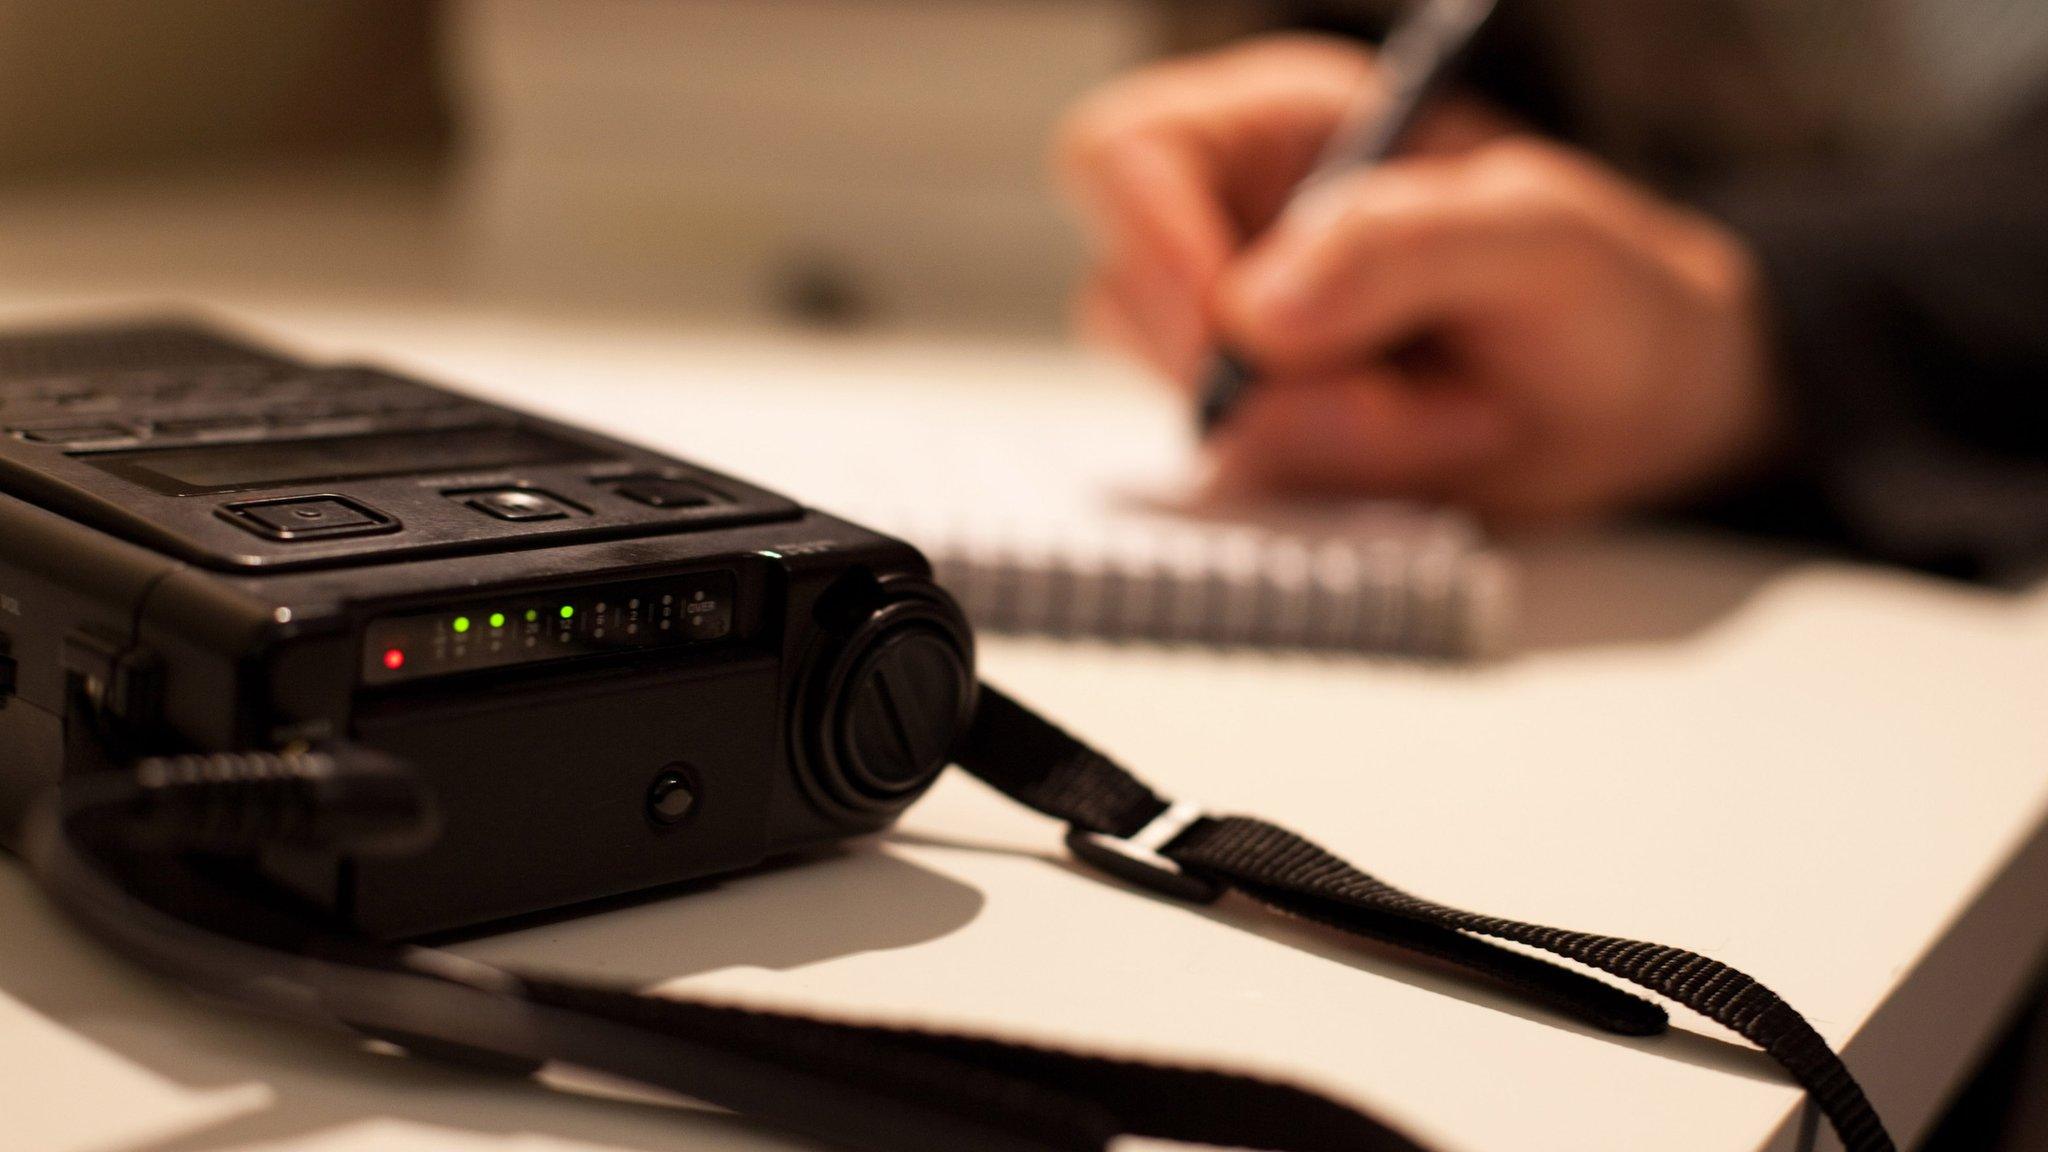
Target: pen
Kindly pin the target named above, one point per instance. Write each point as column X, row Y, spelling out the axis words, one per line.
column 1421, row 53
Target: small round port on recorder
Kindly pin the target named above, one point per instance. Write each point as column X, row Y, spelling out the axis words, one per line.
column 673, row 796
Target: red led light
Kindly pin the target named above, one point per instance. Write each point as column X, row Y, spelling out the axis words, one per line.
column 394, row 658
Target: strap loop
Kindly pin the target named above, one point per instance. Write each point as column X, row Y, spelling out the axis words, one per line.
column 1138, row 859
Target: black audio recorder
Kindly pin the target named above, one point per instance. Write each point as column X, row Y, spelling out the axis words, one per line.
column 612, row 669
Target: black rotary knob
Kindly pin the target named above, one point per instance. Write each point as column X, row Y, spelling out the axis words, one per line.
column 902, row 710
column 890, row 702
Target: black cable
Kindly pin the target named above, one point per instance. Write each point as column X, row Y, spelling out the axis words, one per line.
column 855, row 1086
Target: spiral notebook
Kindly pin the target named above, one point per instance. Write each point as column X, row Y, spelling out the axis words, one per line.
column 1072, row 514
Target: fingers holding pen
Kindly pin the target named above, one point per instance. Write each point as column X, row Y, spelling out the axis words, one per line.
column 1246, row 122
column 1522, row 283
column 1489, row 317
column 1454, row 254
column 1374, row 431
column 1172, row 167
column 1249, row 120
column 1367, row 263
column 1161, row 242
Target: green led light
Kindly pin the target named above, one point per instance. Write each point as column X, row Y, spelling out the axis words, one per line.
column 567, row 611
column 532, row 615
column 462, row 623
column 497, row 619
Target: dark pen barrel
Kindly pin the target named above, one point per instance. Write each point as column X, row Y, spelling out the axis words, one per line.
column 1225, row 382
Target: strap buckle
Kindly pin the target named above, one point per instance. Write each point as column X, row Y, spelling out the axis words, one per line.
column 1136, row 859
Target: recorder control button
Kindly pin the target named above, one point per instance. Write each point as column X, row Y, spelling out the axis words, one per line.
column 311, row 516
column 74, row 434
column 662, row 492
column 519, row 504
column 210, row 426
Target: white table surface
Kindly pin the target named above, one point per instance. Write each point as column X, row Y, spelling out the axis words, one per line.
column 1832, row 776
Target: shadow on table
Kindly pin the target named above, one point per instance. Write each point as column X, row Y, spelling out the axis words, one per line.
column 1410, row 968
column 1634, row 587
column 860, row 899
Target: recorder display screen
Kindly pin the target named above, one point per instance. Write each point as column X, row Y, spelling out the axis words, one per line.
column 235, row 467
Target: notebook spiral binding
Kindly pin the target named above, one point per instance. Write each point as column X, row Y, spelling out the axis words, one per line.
column 1443, row 595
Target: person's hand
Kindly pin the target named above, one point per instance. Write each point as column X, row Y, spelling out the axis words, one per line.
column 1493, row 319
column 1176, row 167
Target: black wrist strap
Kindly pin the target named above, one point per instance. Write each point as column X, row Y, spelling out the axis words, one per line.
column 900, row 1090
column 914, row 1089
column 1122, row 826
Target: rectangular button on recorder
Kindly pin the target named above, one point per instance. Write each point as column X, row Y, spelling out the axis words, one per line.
column 73, row 434
column 307, row 517
column 519, row 504
column 662, row 492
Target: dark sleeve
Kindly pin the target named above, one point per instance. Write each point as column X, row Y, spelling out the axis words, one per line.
column 1910, row 314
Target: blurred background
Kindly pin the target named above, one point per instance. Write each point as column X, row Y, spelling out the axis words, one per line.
column 838, row 162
